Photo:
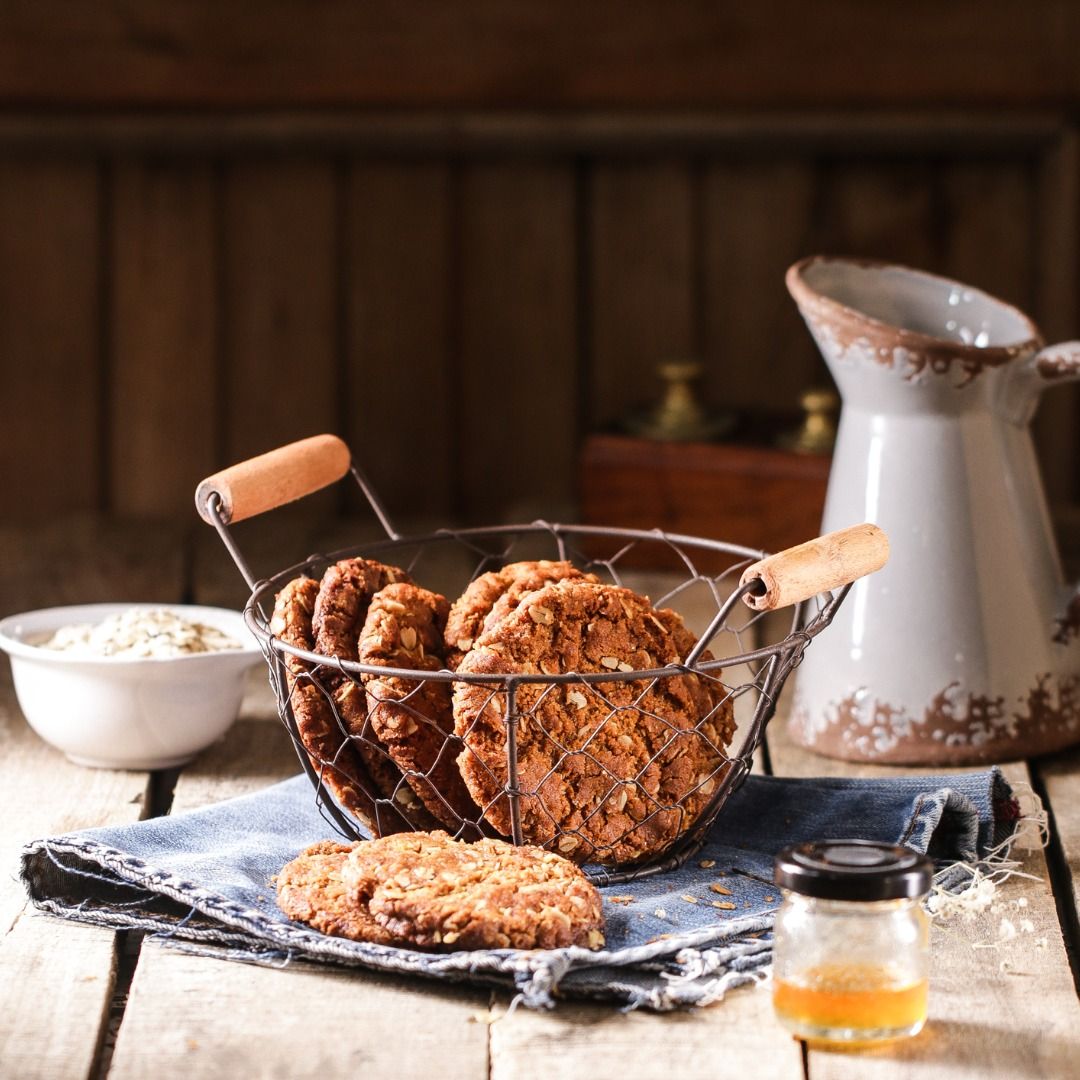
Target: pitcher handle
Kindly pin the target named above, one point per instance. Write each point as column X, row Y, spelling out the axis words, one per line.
column 1058, row 363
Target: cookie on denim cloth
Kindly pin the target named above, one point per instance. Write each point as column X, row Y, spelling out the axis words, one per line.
column 341, row 607
column 612, row 772
column 310, row 890
column 414, row 718
column 496, row 593
column 444, row 894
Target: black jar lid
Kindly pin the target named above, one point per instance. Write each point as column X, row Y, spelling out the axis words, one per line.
column 853, row 870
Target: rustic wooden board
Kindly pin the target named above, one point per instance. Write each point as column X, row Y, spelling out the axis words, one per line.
column 55, row 971
column 516, row 413
column 281, row 333
column 400, row 384
column 164, row 325
column 641, row 296
column 506, row 53
column 1060, row 776
column 758, row 220
column 1010, row 1009
column 193, row 1016
column 50, row 350
column 736, row 1037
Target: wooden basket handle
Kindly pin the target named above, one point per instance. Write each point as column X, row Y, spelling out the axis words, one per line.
column 820, row 565
column 270, row 480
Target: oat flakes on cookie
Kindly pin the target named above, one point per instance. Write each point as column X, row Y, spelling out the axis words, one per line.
column 333, row 755
column 496, row 593
column 341, row 607
column 443, row 894
column 414, row 718
column 310, row 890
column 612, row 772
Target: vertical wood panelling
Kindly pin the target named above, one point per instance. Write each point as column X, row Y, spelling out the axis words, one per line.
column 1057, row 298
column 50, row 336
column 642, row 281
column 517, row 411
column 280, row 317
column 399, row 385
column 882, row 210
column 757, row 221
column 988, row 239
column 163, row 326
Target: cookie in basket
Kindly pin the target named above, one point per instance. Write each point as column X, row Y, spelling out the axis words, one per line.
column 341, row 607
column 333, row 756
column 310, row 890
column 413, row 718
column 612, row 772
column 496, row 593
column 443, row 894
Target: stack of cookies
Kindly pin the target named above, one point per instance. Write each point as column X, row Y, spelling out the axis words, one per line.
column 607, row 771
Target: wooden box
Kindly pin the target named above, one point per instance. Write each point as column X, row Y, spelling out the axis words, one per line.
column 754, row 495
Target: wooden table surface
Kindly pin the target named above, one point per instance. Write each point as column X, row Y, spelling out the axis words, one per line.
column 79, row 1001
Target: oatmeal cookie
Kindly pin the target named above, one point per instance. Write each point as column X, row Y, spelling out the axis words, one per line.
column 332, row 754
column 441, row 893
column 341, row 606
column 414, row 718
column 495, row 594
column 612, row 772
column 310, row 890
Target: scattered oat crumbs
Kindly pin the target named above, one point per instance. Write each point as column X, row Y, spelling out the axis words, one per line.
column 723, row 905
column 621, row 899
column 721, row 889
column 707, row 864
column 769, row 898
column 689, row 899
column 660, row 913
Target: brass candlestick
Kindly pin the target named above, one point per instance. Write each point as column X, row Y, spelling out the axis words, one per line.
column 679, row 417
column 818, row 432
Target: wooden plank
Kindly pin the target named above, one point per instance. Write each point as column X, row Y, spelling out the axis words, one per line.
column 880, row 210
column 641, row 288
column 1010, row 1009
column 50, row 452
column 46, row 961
column 281, row 346
column 1057, row 308
column 738, row 1037
column 1060, row 776
column 423, row 134
column 501, row 53
column 400, row 387
column 164, row 337
column 194, row 1016
column 516, row 399
column 758, row 220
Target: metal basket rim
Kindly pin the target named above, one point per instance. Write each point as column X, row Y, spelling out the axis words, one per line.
column 267, row 587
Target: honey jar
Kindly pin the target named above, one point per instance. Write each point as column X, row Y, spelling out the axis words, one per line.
column 851, row 941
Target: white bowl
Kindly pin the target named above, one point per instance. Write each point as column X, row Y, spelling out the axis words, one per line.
column 121, row 713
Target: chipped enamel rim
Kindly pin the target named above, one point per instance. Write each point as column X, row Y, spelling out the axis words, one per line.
column 825, row 307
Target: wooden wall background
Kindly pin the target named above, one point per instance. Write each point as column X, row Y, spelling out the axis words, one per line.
column 193, row 270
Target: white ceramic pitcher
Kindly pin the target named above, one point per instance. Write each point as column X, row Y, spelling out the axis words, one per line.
column 966, row 646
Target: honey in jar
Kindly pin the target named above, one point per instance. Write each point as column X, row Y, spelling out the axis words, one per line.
column 851, row 941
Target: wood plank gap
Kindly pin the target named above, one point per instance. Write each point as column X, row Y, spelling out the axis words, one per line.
column 105, row 269
column 698, row 208
column 455, row 329
column 1061, row 881
column 221, row 317
column 127, row 949
column 583, row 327
column 238, row 133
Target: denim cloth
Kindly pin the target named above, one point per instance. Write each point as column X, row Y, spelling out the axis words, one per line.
column 202, row 880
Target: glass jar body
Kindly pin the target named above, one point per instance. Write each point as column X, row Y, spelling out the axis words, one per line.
column 850, row 971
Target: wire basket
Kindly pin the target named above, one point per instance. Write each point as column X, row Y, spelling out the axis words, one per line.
column 633, row 790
